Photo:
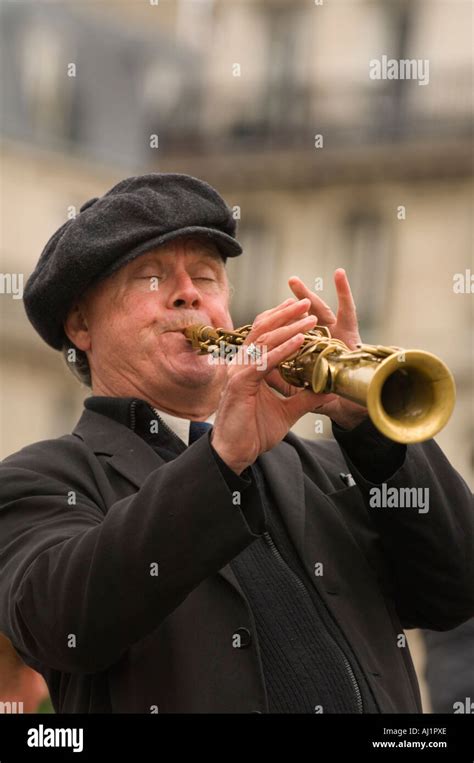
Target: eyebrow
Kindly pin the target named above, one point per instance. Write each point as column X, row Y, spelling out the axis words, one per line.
column 210, row 254
column 204, row 246
column 211, row 257
column 153, row 259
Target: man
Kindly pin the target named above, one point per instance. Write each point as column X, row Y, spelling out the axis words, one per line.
column 147, row 569
column 22, row 689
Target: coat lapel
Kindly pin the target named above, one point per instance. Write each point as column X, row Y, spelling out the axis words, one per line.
column 277, row 465
column 314, row 529
column 129, row 455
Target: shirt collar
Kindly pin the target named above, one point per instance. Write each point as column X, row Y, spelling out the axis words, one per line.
column 137, row 414
column 180, row 426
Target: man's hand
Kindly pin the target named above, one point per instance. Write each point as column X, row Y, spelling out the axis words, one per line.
column 251, row 417
column 342, row 326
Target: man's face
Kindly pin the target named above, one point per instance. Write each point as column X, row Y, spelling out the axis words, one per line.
column 135, row 319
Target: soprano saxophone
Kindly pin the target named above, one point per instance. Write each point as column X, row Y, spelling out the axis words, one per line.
column 409, row 394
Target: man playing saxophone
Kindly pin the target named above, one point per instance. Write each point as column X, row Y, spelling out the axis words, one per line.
column 182, row 550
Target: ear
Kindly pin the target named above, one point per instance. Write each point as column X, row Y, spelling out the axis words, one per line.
column 76, row 328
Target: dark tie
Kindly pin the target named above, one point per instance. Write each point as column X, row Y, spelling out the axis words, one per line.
column 198, row 428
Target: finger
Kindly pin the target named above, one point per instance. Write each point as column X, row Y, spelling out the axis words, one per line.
column 319, row 307
column 303, row 402
column 272, row 339
column 323, row 399
column 346, row 309
column 277, row 318
column 289, row 301
column 281, row 353
column 259, row 366
column 270, row 311
column 276, row 381
column 273, row 310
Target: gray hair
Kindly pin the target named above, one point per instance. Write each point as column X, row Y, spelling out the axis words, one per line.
column 76, row 361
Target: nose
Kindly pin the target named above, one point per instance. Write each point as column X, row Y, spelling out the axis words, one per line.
column 183, row 292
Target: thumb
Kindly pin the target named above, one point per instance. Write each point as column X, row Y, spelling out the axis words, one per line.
column 303, row 402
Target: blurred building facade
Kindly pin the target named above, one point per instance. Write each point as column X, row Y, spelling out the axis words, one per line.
column 273, row 104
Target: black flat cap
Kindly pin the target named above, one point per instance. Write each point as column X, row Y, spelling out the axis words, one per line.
column 135, row 216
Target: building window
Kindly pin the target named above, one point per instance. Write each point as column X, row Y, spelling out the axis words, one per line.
column 284, row 98
column 46, row 88
column 366, row 256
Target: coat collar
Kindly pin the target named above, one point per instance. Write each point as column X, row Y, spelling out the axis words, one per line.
column 105, row 436
column 312, row 529
column 130, row 456
column 128, row 453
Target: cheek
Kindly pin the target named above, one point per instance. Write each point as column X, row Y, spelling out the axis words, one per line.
column 225, row 320
column 121, row 324
column 219, row 312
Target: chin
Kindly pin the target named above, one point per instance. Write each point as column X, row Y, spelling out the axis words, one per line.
column 194, row 370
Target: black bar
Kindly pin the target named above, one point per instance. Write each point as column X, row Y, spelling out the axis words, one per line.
column 144, row 738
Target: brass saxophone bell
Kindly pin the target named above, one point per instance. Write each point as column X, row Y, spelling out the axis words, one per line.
column 409, row 394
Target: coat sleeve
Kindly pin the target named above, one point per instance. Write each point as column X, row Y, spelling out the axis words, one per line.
column 81, row 582
column 429, row 547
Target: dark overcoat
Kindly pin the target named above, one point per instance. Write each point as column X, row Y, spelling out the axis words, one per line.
column 115, row 581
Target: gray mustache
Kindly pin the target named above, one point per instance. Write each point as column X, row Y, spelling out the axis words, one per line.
column 182, row 323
